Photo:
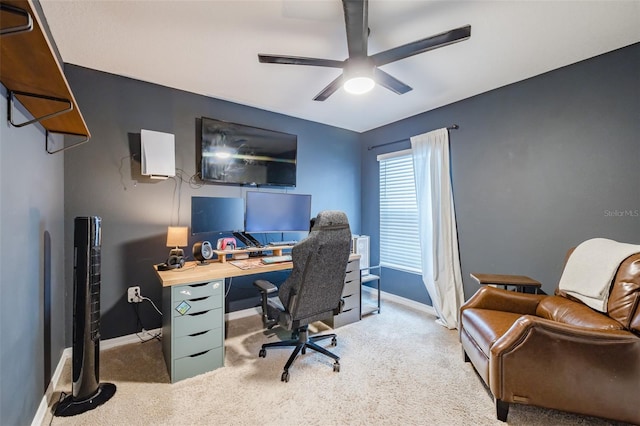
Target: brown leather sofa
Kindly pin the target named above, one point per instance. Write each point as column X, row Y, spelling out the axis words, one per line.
column 555, row 352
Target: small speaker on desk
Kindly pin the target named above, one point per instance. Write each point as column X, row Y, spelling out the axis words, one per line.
column 202, row 251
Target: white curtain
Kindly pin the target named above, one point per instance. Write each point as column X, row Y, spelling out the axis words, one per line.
column 437, row 225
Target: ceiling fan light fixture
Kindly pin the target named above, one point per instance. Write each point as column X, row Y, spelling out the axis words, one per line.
column 359, row 85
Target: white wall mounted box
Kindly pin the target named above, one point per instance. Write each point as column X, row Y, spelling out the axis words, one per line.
column 158, row 152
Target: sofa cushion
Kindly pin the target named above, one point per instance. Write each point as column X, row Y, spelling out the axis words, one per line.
column 486, row 326
column 567, row 311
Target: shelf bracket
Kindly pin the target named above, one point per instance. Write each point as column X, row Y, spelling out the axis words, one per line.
column 13, row 93
column 48, row 146
column 26, row 27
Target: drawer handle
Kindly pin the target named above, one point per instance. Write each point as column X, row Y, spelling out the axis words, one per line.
column 198, row 313
column 199, row 334
column 349, row 295
column 199, row 299
column 198, row 285
column 186, row 290
column 199, row 354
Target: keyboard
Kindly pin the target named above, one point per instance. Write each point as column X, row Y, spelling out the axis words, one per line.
column 276, row 259
column 283, row 243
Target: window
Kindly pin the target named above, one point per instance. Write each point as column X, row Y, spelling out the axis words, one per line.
column 399, row 238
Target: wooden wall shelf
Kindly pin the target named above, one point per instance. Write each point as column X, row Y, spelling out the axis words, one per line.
column 31, row 73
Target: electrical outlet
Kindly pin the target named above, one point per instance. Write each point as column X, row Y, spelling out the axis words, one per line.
column 134, row 295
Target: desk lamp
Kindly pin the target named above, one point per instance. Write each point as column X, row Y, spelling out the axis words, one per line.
column 177, row 237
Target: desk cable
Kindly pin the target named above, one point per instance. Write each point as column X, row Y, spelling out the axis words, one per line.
column 229, row 289
column 144, row 330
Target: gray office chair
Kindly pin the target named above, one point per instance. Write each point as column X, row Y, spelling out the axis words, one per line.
column 313, row 290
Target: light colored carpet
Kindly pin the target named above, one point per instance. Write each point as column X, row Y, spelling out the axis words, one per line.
column 398, row 368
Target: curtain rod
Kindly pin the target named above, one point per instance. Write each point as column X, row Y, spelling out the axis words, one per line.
column 452, row 127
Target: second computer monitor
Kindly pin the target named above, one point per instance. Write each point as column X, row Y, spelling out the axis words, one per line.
column 277, row 212
column 216, row 214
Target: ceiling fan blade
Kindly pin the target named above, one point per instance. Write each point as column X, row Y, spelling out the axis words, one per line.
column 390, row 82
column 420, row 46
column 330, row 89
column 298, row 60
column 356, row 18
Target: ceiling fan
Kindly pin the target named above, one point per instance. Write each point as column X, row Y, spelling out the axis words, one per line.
column 360, row 71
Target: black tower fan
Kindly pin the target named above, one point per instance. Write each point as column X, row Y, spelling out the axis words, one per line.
column 87, row 393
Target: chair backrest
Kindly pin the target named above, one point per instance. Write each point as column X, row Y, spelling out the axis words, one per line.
column 624, row 296
column 314, row 287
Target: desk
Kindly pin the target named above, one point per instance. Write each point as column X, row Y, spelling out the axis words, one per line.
column 193, row 320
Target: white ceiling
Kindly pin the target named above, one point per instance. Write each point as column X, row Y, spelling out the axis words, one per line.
column 211, row 47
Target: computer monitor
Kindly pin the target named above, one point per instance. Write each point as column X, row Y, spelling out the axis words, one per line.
column 277, row 212
column 216, row 214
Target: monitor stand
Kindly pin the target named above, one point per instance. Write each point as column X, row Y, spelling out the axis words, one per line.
column 252, row 239
column 247, row 239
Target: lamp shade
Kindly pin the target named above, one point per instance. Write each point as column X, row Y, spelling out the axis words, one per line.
column 177, row 236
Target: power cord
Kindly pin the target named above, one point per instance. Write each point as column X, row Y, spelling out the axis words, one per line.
column 151, row 301
column 139, row 323
column 229, row 289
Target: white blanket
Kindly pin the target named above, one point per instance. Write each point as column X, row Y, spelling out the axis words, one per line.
column 590, row 269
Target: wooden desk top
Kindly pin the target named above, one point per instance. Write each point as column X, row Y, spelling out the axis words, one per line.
column 193, row 272
column 500, row 279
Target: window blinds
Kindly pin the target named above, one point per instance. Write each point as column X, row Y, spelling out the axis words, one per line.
column 399, row 238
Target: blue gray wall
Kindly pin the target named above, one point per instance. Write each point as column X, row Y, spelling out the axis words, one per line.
column 537, row 167
column 101, row 178
column 32, row 298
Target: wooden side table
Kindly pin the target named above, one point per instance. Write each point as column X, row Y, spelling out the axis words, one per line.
column 517, row 281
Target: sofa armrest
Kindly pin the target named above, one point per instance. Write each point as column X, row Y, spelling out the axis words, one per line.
column 538, row 360
column 515, row 337
column 502, row 300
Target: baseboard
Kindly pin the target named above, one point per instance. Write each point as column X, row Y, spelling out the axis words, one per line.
column 384, row 296
column 249, row 312
column 66, row 354
column 130, row 338
column 402, row 301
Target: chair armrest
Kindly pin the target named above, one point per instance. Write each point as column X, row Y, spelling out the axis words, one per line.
column 514, row 337
column 265, row 286
column 537, row 353
column 502, row 300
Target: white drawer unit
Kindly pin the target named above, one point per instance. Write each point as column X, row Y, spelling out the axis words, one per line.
column 193, row 328
column 351, row 296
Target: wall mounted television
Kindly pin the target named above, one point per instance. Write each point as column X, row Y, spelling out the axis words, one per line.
column 277, row 212
column 236, row 154
column 217, row 215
